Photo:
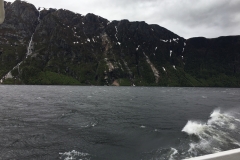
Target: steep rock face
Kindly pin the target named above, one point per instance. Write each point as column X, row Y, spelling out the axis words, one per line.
column 215, row 62
column 49, row 46
column 20, row 22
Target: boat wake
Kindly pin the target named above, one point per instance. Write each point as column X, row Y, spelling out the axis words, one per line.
column 215, row 135
column 218, row 133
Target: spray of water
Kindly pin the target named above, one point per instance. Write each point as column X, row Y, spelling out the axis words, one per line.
column 215, row 135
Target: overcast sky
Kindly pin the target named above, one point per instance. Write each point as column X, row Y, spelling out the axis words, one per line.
column 187, row 18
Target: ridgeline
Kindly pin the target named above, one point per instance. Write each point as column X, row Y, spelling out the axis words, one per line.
column 58, row 47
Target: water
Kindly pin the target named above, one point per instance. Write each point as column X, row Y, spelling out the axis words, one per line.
column 116, row 123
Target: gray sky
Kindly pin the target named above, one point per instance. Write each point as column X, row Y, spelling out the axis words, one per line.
column 187, row 18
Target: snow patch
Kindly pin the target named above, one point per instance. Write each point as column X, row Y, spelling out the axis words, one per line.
column 163, row 40
column 164, row 69
column 137, row 48
column 170, row 53
column 175, row 40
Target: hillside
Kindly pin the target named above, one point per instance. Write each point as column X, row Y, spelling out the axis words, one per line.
column 49, row 46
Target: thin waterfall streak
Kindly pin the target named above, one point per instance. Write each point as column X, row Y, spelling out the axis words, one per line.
column 29, row 52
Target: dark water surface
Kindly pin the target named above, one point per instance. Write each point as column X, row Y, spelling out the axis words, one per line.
column 116, row 123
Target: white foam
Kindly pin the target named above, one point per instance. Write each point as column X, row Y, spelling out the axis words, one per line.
column 232, row 126
column 74, row 155
column 213, row 135
column 193, row 127
column 237, row 120
column 142, row 126
column 221, row 119
column 93, row 124
column 174, row 152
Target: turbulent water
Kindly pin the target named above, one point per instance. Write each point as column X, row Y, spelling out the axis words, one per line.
column 116, row 123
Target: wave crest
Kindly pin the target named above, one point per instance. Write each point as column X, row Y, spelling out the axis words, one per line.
column 215, row 135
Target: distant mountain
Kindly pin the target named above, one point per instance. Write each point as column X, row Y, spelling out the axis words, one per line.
column 50, row 46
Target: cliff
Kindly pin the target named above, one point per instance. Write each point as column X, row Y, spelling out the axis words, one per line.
column 50, row 46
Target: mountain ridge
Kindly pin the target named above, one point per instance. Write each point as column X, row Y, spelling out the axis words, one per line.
column 40, row 46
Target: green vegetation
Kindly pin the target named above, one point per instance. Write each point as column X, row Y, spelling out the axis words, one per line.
column 70, row 49
column 51, row 78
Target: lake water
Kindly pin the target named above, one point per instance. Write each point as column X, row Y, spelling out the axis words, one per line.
column 116, row 123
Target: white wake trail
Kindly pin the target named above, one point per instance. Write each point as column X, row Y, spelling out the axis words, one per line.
column 214, row 135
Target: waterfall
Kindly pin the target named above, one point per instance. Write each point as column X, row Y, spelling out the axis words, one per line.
column 30, row 45
column 29, row 52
